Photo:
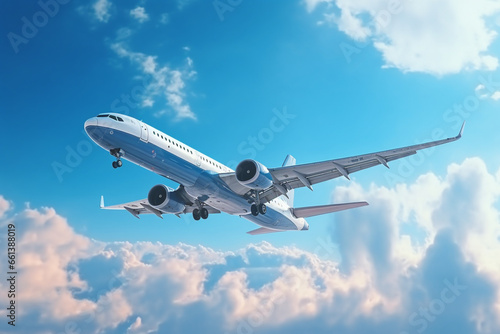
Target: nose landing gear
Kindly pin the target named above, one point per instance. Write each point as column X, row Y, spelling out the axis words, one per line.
column 117, row 153
column 117, row 164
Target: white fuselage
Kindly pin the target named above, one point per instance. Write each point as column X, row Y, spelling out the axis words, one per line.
column 198, row 173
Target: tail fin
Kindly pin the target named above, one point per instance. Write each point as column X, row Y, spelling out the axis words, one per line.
column 289, row 161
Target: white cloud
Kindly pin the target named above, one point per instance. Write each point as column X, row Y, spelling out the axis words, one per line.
column 436, row 37
column 101, row 10
column 139, row 13
column 135, row 325
column 123, row 33
column 483, row 93
column 113, row 309
column 48, row 247
column 312, row 4
column 387, row 276
column 164, row 18
column 4, row 206
column 163, row 81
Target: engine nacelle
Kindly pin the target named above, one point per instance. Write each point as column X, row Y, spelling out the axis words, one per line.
column 253, row 175
column 164, row 199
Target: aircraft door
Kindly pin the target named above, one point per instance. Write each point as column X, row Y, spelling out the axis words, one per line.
column 198, row 159
column 144, row 132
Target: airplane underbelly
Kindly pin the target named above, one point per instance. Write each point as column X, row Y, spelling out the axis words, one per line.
column 272, row 219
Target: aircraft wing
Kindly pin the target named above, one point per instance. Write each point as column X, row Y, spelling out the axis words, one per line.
column 306, row 175
column 142, row 206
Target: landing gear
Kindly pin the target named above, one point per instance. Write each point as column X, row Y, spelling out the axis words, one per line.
column 254, row 209
column 258, row 208
column 204, row 213
column 117, row 164
column 117, row 153
column 200, row 213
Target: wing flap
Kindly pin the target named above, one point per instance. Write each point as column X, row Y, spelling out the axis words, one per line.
column 311, row 211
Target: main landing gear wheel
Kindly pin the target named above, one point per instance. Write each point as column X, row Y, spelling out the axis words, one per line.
column 254, row 209
column 196, row 214
column 204, row 213
column 262, row 208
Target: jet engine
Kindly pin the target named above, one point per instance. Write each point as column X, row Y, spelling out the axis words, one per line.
column 165, row 199
column 253, row 175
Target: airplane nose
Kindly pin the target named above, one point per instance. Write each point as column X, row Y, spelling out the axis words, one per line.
column 90, row 122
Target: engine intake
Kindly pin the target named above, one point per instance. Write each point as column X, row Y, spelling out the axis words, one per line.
column 253, row 175
column 165, row 199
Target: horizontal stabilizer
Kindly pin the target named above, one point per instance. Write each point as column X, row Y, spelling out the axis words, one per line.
column 262, row 230
column 323, row 209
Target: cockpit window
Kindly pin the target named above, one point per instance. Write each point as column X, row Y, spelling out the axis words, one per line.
column 116, row 118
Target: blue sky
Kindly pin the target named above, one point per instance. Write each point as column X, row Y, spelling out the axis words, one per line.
column 338, row 78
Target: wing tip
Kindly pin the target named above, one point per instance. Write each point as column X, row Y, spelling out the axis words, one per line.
column 461, row 131
column 101, row 205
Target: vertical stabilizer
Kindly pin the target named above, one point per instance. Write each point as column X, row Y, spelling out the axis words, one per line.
column 289, row 161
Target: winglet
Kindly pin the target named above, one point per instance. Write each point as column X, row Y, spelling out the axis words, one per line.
column 461, row 131
column 102, row 202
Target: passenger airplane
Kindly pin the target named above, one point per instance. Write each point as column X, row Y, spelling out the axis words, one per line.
column 262, row 195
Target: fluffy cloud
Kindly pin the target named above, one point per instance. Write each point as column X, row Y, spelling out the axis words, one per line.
column 483, row 93
column 101, row 10
column 161, row 80
column 421, row 257
column 437, row 37
column 4, row 206
column 139, row 13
